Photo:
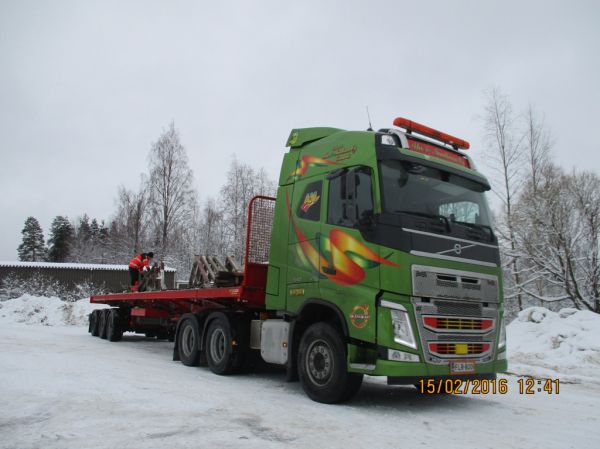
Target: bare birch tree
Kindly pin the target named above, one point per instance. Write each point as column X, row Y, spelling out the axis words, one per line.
column 170, row 188
column 132, row 220
column 212, row 236
column 504, row 158
column 243, row 182
column 538, row 143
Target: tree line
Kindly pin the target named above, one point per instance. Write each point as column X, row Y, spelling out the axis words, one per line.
column 164, row 214
column 548, row 222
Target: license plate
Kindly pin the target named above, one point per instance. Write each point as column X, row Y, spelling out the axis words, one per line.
column 462, row 367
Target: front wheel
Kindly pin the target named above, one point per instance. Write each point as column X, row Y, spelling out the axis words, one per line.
column 322, row 366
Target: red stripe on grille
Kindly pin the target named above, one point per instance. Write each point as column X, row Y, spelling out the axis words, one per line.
column 454, row 323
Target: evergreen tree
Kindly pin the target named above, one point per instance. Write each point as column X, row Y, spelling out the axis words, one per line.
column 84, row 232
column 61, row 239
column 32, row 249
column 103, row 239
column 95, row 229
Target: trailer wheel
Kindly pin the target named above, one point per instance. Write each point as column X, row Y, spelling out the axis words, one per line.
column 102, row 319
column 114, row 330
column 322, row 366
column 224, row 354
column 94, row 323
column 188, row 342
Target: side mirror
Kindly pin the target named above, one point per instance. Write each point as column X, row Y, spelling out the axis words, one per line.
column 367, row 220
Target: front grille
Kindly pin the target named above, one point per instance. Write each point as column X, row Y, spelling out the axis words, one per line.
column 450, row 349
column 451, row 329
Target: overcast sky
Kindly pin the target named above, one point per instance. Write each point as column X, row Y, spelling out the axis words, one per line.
column 87, row 86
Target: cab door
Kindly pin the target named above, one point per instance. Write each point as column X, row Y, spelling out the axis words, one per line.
column 303, row 269
column 350, row 272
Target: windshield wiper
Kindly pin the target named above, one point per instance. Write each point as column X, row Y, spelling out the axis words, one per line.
column 477, row 226
column 426, row 215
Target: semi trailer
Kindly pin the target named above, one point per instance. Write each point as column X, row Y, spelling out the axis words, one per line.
column 377, row 257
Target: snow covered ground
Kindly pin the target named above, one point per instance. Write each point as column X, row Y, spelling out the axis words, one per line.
column 62, row 388
column 548, row 344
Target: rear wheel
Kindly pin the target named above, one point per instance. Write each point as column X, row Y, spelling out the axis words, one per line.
column 224, row 348
column 102, row 319
column 114, row 330
column 188, row 342
column 94, row 323
column 322, row 366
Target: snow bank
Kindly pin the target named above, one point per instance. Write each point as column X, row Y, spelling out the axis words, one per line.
column 51, row 311
column 566, row 344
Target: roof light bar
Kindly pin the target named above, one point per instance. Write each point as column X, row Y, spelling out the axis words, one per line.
column 411, row 126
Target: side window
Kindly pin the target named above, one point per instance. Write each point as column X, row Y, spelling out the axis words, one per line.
column 310, row 205
column 350, row 197
column 337, row 196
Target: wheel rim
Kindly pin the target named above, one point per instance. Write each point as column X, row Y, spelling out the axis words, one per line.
column 217, row 345
column 319, row 362
column 188, row 341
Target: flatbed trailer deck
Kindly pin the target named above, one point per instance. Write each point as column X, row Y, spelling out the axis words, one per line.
column 156, row 313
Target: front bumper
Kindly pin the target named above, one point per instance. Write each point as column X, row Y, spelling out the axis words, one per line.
column 411, row 369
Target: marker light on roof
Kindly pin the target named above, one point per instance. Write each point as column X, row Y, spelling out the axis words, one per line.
column 410, row 126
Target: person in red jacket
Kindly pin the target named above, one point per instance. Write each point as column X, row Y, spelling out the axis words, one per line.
column 137, row 265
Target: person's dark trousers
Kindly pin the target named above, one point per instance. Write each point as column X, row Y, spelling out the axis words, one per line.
column 134, row 275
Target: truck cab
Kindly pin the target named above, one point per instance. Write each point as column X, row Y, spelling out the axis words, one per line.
column 383, row 260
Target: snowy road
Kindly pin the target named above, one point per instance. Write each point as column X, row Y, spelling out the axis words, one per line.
column 61, row 388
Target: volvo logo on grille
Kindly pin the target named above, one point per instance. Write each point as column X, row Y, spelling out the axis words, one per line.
column 457, row 248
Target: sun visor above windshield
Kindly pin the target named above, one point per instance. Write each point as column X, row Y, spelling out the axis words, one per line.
column 387, row 152
column 437, row 152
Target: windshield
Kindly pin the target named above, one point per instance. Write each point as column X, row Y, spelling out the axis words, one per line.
column 410, row 188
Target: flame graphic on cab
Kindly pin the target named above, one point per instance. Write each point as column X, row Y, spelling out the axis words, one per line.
column 348, row 257
column 305, row 162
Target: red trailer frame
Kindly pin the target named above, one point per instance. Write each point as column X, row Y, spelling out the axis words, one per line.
column 250, row 295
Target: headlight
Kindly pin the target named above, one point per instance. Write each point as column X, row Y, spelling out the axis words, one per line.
column 502, row 337
column 403, row 333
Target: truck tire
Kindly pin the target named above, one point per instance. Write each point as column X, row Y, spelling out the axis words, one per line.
column 188, row 342
column 224, row 354
column 114, row 330
column 94, row 323
column 322, row 366
column 102, row 319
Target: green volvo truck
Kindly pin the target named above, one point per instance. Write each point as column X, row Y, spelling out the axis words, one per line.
column 376, row 258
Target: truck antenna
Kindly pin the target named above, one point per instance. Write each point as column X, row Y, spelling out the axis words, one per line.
column 369, row 117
